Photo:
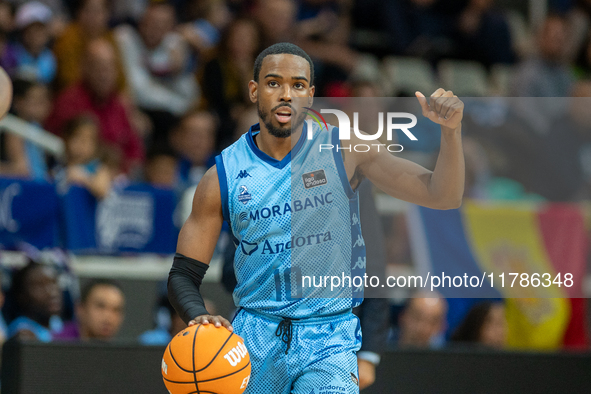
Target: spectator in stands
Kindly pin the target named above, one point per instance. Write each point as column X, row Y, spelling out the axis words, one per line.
column 559, row 170
column 552, row 163
column 7, row 55
column 34, row 59
column 100, row 312
column 162, row 168
column 23, row 157
column 97, row 95
column 83, row 166
column 418, row 27
column 582, row 66
column 194, row 140
column 422, row 322
column 205, row 33
column 246, row 119
column 482, row 34
column 39, row 302
column 334, row 59
column 578, row 14
column 3, row 328
column 277, row 19
column 485, row 324
column 129, row 11
column 328, row 45
column 547, row 74
column 226, row 76
column 58, row 11
column 91, row 23
column 156, row 61
column 169, row 323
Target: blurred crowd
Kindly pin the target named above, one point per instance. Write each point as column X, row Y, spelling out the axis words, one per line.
column 150, row 91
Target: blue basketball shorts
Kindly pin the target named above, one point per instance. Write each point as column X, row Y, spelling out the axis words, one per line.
column 321, row 358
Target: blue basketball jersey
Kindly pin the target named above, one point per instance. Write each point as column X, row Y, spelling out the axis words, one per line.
column 295, row 223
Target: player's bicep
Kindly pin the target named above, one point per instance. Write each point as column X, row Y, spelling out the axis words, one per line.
column 201, row 231
column 399, row 177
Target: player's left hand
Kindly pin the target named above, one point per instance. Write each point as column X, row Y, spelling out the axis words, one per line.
column 443, row 108
column 217, row 321
column 367, row 373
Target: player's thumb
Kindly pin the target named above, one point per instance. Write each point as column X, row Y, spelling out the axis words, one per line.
column 423, row 101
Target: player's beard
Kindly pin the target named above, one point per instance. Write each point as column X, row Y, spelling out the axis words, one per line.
column 278, row 131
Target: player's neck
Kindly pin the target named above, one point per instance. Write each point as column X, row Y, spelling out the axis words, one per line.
column 276, row 147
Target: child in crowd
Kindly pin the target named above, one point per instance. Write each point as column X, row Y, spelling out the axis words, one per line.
column 162, row 167
column 33, row 56
column 84, row 166
column 22, row 158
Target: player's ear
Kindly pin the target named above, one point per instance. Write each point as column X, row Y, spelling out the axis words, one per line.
column 311, row 96
column 253, row 87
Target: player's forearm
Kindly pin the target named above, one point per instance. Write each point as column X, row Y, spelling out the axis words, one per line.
column 446, row 185
column 184, row 281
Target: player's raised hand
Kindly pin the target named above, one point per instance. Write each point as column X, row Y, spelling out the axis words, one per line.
column 217, row 321
column 443, row 108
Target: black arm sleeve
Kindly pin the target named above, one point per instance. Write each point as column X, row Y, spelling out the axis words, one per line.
column 184, row 280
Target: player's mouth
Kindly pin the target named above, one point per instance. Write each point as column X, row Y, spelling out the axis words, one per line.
column 283, row 115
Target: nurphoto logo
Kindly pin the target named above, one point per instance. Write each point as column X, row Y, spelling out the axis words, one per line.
column 344, row 124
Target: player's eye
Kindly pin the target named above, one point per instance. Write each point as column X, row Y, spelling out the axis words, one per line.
column 273, row 84
column 299, row 85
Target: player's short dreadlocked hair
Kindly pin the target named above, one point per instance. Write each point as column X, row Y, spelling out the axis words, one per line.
column 279, row 49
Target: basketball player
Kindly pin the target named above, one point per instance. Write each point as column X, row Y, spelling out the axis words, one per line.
column 299, row 345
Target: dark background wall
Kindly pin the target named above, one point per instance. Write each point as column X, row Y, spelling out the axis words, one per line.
column 125, row 369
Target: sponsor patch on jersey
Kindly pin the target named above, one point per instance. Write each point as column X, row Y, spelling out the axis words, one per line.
column 314, row 178
column 243, row 195
column 242, row 220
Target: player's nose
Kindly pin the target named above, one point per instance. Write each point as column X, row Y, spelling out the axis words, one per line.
column 285, row 93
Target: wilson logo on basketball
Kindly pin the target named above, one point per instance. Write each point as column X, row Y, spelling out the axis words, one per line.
column 235, row 355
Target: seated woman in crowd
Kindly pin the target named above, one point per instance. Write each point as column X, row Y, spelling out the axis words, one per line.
column 485, row 325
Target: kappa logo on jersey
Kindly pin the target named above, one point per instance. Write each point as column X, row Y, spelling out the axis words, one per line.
column 354, row 379
column 243, row 174
column 243, row 194
column 360, row 263
column 248, row 248
column 359, row 242
column 236, row 354
column 314, row 178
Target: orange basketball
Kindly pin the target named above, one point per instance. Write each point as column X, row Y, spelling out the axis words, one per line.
column 206, row 359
